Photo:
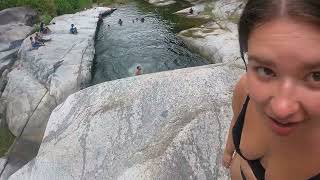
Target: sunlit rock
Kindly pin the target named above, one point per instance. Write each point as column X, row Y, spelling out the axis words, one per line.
column 168, row 125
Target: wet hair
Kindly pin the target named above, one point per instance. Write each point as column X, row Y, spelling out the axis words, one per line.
column 72, row 24
column 257, row 12
column 138, row 67
column 31, row 38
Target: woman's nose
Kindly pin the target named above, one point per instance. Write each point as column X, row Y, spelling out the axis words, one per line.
column 284, row 107
column 284, row 103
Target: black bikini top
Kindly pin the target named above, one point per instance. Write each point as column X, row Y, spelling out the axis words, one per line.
column 256, row 166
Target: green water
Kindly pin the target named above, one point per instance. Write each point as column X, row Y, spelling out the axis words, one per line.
column 177, row 22
column 152, row 44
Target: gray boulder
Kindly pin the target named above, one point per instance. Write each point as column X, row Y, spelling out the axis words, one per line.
column 217, row 41
column 13, row 15
column 51, row 72
column 63, row 65
column 161, row 2
column 23, row 94
column 15, row 25
column 168, row 125
column 3, row 161
column 43, row 78
column 228, row 9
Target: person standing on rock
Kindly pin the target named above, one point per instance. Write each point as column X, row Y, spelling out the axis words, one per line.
column 275, row 130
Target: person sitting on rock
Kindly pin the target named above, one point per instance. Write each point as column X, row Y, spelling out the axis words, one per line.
column 38, row 38
column 138, row 71
column 73, row 29
column 35, row 44
column 191, row 11
column 120, row 22
column 43, row 29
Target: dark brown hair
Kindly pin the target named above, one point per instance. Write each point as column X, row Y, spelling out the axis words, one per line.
column 257, row 12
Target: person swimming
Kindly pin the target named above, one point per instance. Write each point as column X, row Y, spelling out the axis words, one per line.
column 138, row 71
column 120, row 22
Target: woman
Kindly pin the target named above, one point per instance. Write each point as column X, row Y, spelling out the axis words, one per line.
column 275, row 131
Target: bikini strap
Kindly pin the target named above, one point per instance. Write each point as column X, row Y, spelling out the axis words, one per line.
column 238, row 127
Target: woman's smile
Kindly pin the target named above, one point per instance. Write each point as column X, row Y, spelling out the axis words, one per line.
column 282, row 128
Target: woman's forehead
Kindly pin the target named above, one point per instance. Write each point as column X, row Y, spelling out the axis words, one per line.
column 285, row 38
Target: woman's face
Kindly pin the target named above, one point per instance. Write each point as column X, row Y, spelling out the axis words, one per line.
column 284, row 75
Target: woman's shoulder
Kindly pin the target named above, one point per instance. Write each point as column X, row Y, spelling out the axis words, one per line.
column 240, row 93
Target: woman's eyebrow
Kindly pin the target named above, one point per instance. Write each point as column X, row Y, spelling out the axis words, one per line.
column 260, row 60
column 312, row 65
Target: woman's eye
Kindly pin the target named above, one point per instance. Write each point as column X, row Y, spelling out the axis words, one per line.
column 264, row 72
column 315, row 76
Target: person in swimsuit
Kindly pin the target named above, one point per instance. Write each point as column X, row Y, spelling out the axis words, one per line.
column 275, row 130
column 138, row 71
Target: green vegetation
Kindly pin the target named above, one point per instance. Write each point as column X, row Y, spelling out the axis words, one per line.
column 6, row 139
column 50, row 8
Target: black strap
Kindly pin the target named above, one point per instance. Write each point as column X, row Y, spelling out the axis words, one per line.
column 238, row 126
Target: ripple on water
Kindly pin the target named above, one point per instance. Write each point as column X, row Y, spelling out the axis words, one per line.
column 151, row 45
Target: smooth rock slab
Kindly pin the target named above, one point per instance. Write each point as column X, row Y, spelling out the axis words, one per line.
column 22, row 94
column 3, row 161
column 168, row 125
column 161, row 2
column 63, row 65
column 217, row 41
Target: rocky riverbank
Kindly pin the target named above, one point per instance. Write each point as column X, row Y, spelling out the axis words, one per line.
column 43, row 78
column 157, row 126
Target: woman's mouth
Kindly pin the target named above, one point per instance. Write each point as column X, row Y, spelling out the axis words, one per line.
column 282, row 129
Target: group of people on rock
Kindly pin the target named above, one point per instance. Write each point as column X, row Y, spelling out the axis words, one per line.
column 38, row 39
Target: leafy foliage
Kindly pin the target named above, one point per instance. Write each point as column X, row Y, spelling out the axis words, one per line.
column 48, row 8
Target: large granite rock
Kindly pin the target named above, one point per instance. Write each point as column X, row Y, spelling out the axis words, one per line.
column 13, row 15
column 43, row 78
column 217, row 41
column 168, row 125
column 228, row 9
column 3, row 161
column 64, row 64
column 58, row 69
column 15, row 25
column 24, row 96
column 161, row 2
